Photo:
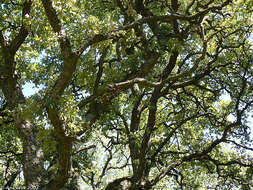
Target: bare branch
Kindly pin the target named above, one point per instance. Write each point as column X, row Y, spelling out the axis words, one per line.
column 95, row 39
column 84, row 149
column 240, row 145
column 165, row 171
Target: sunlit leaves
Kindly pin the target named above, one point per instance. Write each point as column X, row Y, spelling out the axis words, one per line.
column 194, row 117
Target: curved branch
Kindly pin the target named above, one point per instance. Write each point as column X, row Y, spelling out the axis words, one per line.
column 70, row 58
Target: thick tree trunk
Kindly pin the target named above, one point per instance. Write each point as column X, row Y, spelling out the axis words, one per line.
column 127, row 183
column 119, row 184
column 32, row 150
column 64, row 164
column 33, row 154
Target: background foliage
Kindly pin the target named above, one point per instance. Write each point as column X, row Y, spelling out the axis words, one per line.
column 133, row 94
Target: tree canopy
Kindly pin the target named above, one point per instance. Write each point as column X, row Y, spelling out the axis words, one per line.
column 131, row 94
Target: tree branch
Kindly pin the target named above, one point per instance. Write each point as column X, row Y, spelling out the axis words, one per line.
column 23, row 33
column 70, row 58
column 11, row 180
column 2, row 40
column 100, row 70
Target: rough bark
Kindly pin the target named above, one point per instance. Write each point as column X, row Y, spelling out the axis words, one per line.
column 33, row 155
column 32, row 151
column 69, row 66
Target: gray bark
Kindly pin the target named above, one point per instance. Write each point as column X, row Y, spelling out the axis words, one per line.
column 32, row 151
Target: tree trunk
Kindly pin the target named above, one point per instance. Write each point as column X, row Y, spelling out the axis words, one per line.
column 32, row 150
column 33, row 154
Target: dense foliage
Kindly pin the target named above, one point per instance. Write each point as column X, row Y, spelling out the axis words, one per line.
column 130, row 94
